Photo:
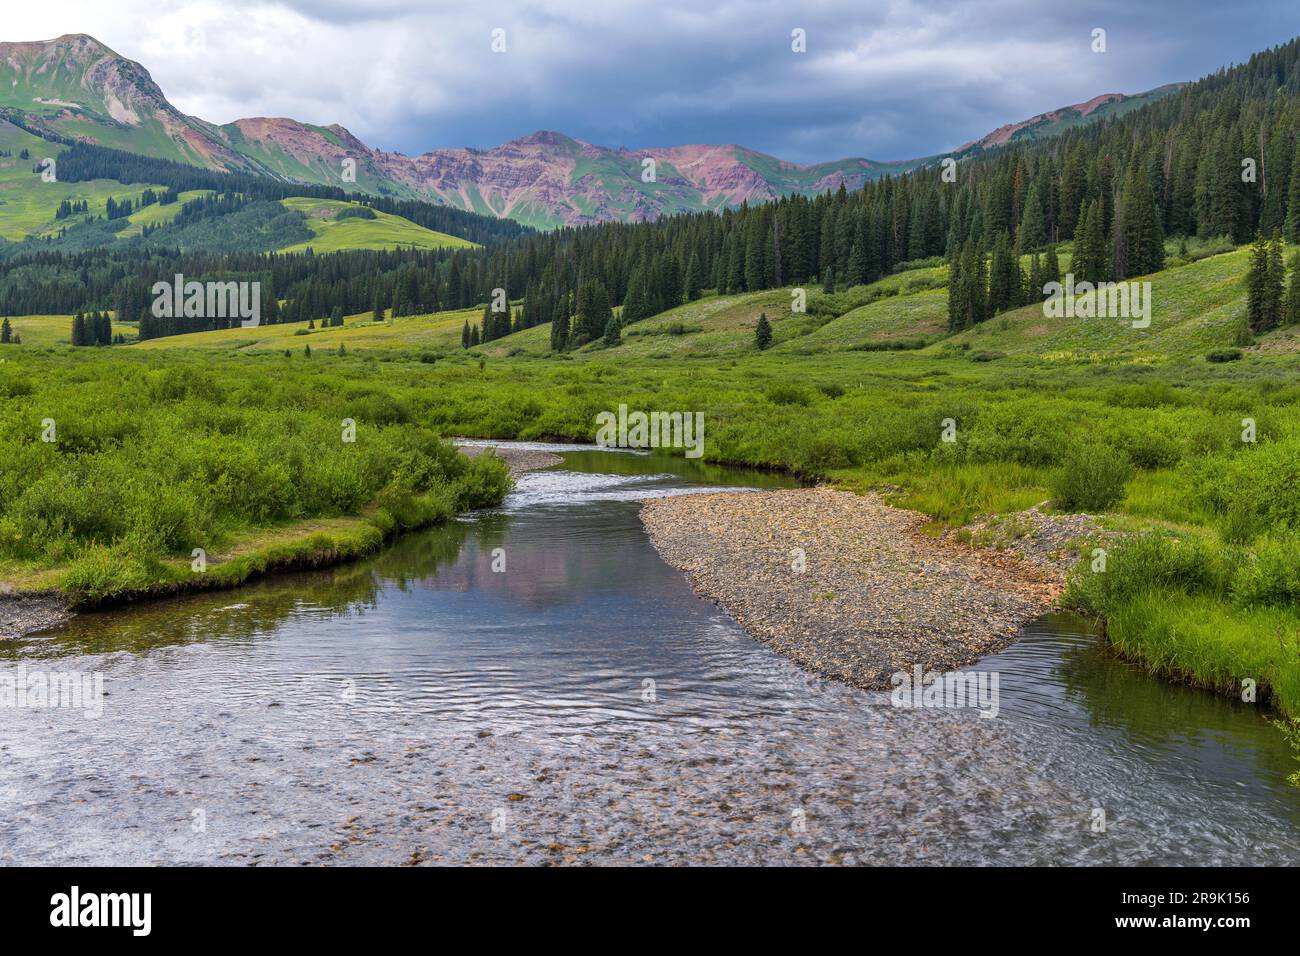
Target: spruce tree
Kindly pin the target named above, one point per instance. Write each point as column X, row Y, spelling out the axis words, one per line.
column 1273, row 305
column 1263, row 286
column 612, row 335
column 1143, row 235
column 1051, row 272
column 1032, row 234
column 1293, row 200
column 694, row 279
column 560, row 331
column 1291, row 308
column 6, row 332
column 593, row 310
column 763, row 332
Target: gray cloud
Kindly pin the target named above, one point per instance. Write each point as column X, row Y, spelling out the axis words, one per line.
column 886, row 80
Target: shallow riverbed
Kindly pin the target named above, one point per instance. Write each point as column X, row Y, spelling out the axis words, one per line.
column 424, row 707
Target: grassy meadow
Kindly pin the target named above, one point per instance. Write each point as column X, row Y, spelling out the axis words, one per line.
column 197, row 440
column 384, row 231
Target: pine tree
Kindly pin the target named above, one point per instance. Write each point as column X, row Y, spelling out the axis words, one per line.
column 1293, row 200
column 464, row 335
column 612, row 335
column 828, row 286
column 763, row 332
column 6, row 332
column 1143, row 237
column 1051, row 273
column 79, row 329
column 1263, row 286
column 637, row 304
column 1291, row 308
column 559, row 331
column 694, row 279
column 1090, row 262
column 756, row 254
column 593, row 312
column 1033, row 226
column 1005, row 280
column 1275, row 301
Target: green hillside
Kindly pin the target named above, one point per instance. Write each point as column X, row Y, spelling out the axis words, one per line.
column 384, row 231
column 1195, row 308
column 28, row 204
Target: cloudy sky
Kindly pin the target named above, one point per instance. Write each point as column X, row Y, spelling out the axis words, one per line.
column 885, row 79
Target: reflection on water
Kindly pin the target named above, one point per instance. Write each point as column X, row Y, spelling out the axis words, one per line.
column 586, row 702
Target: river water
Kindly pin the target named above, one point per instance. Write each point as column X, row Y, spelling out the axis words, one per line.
column 580, row 704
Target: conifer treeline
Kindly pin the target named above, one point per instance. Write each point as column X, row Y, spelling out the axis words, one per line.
column 82, row 162
column 1218, row 157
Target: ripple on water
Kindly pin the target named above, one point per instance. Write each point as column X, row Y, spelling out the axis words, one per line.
column 587, row 702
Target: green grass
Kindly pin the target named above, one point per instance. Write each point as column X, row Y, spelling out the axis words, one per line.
column 1195, row 308
column 28, row 204
column 439, row 331
column 158, row 215
column 385, row 231
column 243, row 459
column 821, row 403
column 46, row 330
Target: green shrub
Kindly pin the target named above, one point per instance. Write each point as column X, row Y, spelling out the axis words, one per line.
column 1271, row 576
column 783, row 394
column 1092, row 477
column 1223, row 355
column 1152, row 561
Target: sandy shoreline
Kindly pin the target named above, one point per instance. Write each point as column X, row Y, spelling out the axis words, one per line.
column 875, row 596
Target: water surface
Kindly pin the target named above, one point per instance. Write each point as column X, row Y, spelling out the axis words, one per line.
column 584, row 705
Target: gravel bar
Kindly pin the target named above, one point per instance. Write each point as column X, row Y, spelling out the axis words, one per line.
column 876, row 595
column 519, row 460
column 24, row 614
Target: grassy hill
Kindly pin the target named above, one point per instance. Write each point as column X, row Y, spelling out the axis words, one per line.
column 47, row 330
column 1196, row 307
column 28, row 204
column 384, row 231
column 159, row 215
column 439, row 331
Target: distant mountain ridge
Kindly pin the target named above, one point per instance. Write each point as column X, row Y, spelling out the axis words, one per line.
column 76, row 87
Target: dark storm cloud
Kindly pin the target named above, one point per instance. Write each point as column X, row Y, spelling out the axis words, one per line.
column 885, row 80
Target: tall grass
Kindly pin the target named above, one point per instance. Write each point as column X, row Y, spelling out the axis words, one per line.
column 109, row 465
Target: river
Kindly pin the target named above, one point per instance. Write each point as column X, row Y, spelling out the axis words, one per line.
column 532, row 684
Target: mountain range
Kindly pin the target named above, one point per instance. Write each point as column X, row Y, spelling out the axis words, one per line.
column 75, row 87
